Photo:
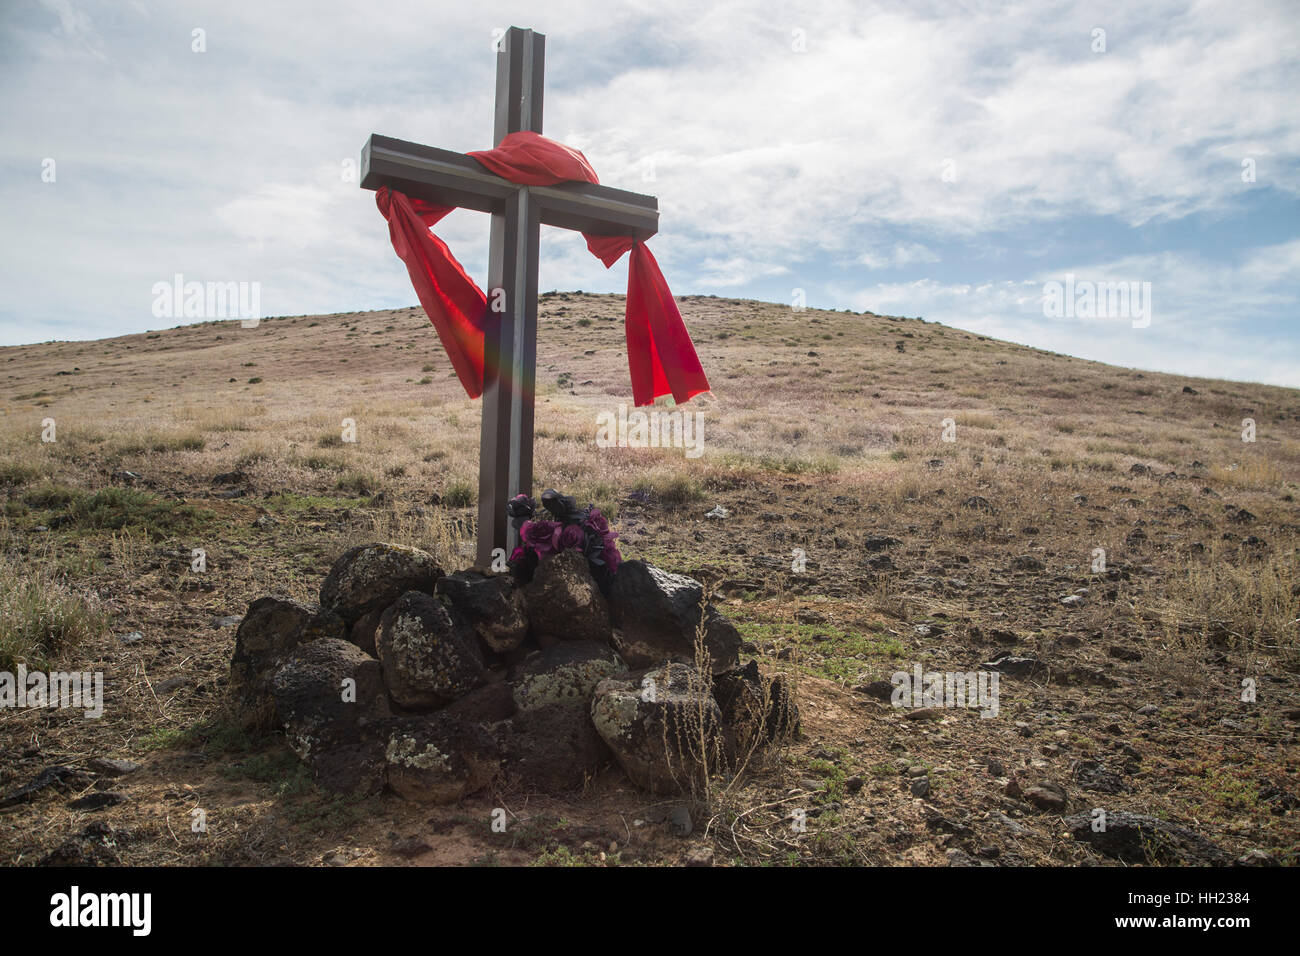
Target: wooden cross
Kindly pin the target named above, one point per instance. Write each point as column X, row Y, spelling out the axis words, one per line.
column 510, row 336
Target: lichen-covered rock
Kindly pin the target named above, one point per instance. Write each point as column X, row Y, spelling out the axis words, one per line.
column 439, row 758
column 663, row 726
column 655, row 615
column 270, row 630
column 564, row 602
column 370, row 577
column 755, row 710
column 429, row 655
column 328, row 694
column 565, row 673
column 553, row 748
column 492, row 604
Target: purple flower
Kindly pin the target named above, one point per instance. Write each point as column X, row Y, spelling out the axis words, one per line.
column 596, row 522
column 517, row 554
column 612, row 557
column 569, row 536
column 539, row 535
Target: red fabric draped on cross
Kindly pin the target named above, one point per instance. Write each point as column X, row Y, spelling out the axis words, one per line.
column 660, row 354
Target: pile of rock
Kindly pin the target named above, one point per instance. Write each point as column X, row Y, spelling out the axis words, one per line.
column 438, row 684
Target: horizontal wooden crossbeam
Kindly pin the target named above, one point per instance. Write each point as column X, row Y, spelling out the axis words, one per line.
column 446, row 178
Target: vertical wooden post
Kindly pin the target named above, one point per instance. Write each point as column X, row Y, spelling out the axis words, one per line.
column 510, row 339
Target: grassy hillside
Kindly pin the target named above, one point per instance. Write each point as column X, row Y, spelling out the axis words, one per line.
column 824, row 437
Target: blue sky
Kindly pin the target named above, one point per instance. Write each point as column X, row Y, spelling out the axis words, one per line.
column 946, row 160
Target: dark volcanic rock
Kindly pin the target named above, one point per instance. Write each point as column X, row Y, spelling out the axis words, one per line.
column 664, row 728
column 564, row 602
column 655, row 615
column 492, row 604
column 554, row 748
column 1134, row 838
column 430, row 657
column 370, row 577
column 329, row 694
column 553, row 744
column 363, row 632
column 270, row 630
column 439, row 758
column 755, row 711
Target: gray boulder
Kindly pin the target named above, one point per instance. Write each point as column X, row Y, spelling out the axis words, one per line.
column 271, row 629
column 492, row 604
column 328, row 694
column 655, row 616
column 370, row 577
column 430, row 657
column 663, row 726
column 564, row 603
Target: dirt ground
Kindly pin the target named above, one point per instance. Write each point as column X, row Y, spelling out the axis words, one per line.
column 897, row 493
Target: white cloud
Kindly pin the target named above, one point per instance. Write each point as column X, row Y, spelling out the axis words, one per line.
column 766, row 161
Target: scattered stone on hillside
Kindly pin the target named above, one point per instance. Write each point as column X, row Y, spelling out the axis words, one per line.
column 680, row 822
column 1027, row 562
column 664, row 726
column 372, row 576
column 111, row 766
column 438, row 758
column 409, row 847
column 977, row 503
column 881, row 690
column 1071, row 600
column 875, row 543
column 1046, row 796
column 1097, row 777
column 655, row 616
column 328, row 694
column 1014, row 666
column 96, row 845
column 1136, row 838
column 492, row 604
column 699, row 856
column 430, row 657
column 272, row 628
column 755, row 710
column 60, row 777
column 99, row 800
column 564, row 602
